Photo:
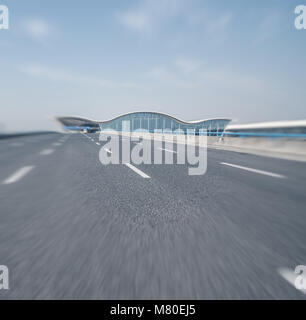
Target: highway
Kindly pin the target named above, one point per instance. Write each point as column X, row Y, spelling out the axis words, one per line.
column 72, row 228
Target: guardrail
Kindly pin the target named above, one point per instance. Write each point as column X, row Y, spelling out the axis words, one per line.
column 263, row 134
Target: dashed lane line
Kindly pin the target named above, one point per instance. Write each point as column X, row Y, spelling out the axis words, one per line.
column 141, row 173
column 17, row 144
column 46, row 152
column 18, row 175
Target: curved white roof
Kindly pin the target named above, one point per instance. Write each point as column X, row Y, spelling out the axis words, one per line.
column 135, row 112
column 166, row 115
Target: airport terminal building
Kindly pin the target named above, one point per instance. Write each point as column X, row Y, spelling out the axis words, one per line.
column 147, row 121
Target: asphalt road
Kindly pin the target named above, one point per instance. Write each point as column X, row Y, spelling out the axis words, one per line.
column 72, row 228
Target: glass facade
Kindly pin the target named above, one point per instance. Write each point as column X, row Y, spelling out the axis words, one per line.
column 152, row 121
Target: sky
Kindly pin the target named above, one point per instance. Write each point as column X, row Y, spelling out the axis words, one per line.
column 194, row 59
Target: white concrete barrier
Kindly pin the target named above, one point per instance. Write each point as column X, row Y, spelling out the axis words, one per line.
column 286, row 148
column 291, row 149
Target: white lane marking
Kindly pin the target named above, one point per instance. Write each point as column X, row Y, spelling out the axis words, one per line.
column 266, row 173
column 46, row 152
column 108, row 151
column 290, row 276
column 98, row 144
column 92, row 140
column 142, row 174
column 16, row 144
column 56, row 144
column 167, row 150
column 19, row 174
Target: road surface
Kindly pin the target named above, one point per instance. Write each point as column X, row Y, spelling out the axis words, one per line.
column 72, row 228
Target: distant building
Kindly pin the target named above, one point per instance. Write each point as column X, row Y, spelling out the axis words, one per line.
column 157, row 121
column 147, row 121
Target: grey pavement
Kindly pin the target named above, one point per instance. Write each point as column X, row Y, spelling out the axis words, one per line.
column 71, row 228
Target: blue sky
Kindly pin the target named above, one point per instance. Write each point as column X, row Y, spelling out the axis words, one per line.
column 194, row 59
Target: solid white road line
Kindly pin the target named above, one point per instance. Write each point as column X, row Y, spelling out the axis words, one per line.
column 46, row 152
column 167, row 150
column 19, row 174
column 266, row 173
column 98, row 144
column 290, row 276
column 142, row 174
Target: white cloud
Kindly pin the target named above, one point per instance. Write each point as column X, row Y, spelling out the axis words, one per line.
column 190, row 73
column 158, row 73
column 151, row 14
column 45, row 72
column 156, row 16
column 38, row 29
column 138, row 21
column 187, row 66
column 220, row 24
column 214, row 26
column 268, row 27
